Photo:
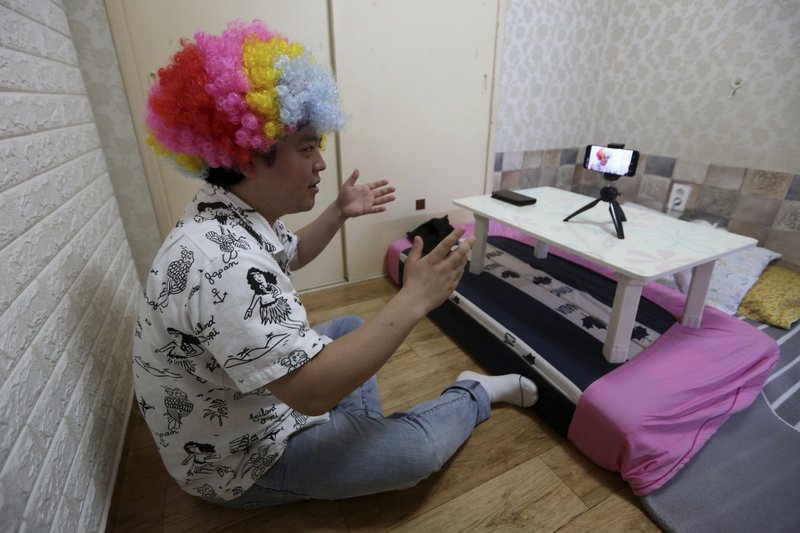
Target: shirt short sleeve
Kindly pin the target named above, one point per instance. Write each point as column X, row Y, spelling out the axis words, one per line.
column 252, row 320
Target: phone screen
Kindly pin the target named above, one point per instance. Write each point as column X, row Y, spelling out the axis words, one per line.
column 617, row 161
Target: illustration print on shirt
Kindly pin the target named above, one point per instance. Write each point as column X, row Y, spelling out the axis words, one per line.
column 216, row 409
column 294, row 360
column 262, row 391
column 261, row 459
column 177, row 276
column 153, row 371
column 258, row 463
column 243, row 443
column 144, row 406
column 223, row 213
column 218, row 211
column 286, row 237
column 228, row 215
column 178, row 406
column 200, row 459
column 272, row 307
column 228, row 243
column 216, row 400
column 182, row 348
column 299, row 419
column 207, row 493
column 248, row 355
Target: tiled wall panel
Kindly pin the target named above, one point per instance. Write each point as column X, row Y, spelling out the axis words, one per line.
column 68, row 287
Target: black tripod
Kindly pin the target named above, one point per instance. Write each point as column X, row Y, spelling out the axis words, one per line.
column 608, row 194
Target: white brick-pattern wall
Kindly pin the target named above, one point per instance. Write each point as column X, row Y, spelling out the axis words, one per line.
column 68, row 285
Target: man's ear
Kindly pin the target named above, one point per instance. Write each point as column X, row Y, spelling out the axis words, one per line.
column 248, row 170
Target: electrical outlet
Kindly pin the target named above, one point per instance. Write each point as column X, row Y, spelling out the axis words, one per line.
column 678, row 197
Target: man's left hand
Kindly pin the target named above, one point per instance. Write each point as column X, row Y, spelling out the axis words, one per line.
column 356, row 200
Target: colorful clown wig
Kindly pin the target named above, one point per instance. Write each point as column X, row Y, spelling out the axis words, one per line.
column 224, row 98
column 601, row 153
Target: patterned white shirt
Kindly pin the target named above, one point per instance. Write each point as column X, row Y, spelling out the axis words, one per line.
column 219, row 321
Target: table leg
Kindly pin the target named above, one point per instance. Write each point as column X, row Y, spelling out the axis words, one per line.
column 479, row 248
column 696, row 297
column 623, row 316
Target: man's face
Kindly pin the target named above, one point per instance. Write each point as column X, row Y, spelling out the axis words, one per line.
column 290, row 184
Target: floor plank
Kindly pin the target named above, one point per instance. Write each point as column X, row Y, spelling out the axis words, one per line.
column 528, row 498
column 588, row 481
column 621, row 511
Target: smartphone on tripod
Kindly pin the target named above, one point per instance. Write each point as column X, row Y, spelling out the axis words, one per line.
column 610, row 160
column 613, row 161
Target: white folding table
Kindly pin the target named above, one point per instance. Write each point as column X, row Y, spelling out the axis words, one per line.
column 655, row 245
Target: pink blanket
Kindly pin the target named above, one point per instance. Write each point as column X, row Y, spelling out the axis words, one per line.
column 648, row 418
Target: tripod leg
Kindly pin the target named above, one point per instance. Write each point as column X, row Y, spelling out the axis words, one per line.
column 584, row 208
column 618, row 211
column 613, row 208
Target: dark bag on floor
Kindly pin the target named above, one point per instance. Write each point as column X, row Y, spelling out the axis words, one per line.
column 432, row 233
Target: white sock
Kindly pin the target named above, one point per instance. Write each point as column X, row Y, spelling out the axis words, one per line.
column 509, row 388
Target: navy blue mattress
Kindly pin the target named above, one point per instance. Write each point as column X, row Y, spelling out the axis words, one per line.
column 562, row 356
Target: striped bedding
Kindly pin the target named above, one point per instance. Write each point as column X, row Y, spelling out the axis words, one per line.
column 782, row 389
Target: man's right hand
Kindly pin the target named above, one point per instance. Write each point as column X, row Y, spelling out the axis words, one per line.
column 317, row 386
column 431, row 279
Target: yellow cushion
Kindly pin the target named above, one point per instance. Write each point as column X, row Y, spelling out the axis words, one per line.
column 774, row 298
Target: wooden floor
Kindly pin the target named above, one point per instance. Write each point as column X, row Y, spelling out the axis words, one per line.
column 513, row 474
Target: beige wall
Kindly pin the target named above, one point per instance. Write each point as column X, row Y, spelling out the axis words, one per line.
column 417, row 80
column 655, row 75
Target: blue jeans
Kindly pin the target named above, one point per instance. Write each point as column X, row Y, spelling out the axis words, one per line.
column 359, row 451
